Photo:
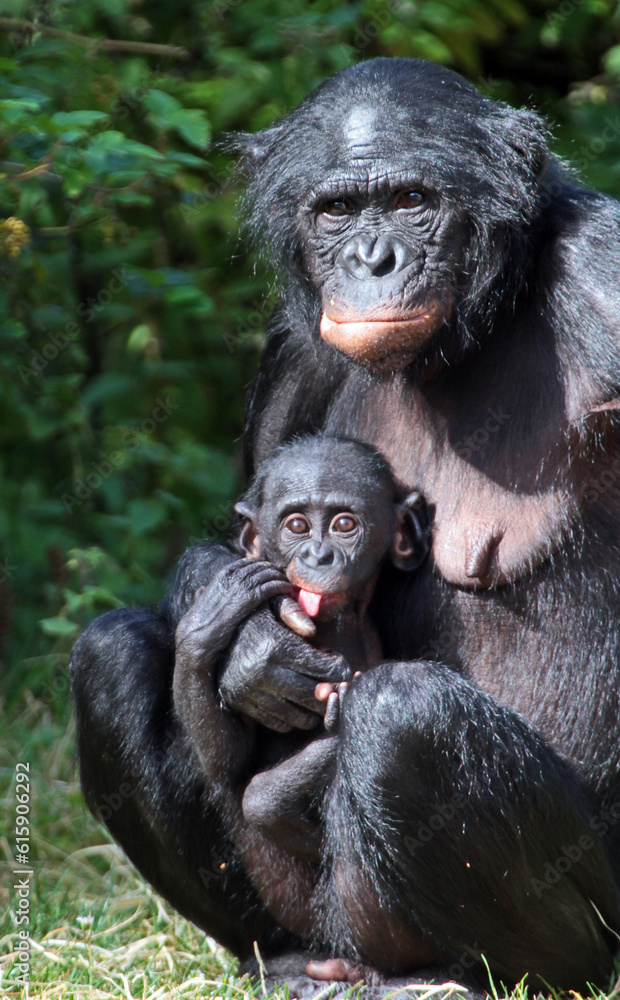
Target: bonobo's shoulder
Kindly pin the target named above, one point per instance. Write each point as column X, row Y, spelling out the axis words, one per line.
column 584, row 227
column 582, row 216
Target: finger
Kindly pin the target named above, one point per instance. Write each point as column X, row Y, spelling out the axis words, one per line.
column 321, row 666
column 293, row 615
column 295, row 688
column 246, row 571
column 334, row 969
column 323, row 690
column 282, row 716
column 332, row 712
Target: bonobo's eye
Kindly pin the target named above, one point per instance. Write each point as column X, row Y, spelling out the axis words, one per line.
column 344, row 524
column 409, row 199
column 337, row 207
column 297, row 524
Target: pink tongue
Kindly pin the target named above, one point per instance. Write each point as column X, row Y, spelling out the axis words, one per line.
column 310, row 602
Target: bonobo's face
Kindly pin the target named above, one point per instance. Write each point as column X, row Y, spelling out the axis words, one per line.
column 394, row 199
column 383, row 247
column 328, row 529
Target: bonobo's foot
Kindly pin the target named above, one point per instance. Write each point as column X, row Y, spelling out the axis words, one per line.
column 290, row 970
column 342, row 970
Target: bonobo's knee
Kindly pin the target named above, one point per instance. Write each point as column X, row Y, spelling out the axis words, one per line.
column 261, row 806
column 123, row 658
column 395, row 716
column 470, row 825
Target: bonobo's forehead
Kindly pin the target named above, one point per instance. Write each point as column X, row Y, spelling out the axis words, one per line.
column 390, row 137
column 335, row 476
column 361, row 129
column 395, row 116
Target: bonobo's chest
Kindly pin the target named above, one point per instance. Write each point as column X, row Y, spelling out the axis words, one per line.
column 507, row 474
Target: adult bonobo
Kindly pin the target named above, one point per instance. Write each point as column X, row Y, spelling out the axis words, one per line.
column 452, row 297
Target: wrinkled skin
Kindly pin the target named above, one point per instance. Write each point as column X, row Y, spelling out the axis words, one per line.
column 473, row 338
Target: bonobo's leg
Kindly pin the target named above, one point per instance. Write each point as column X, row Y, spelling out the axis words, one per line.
column 284, row 802
column 142, row 778
column 451, row 818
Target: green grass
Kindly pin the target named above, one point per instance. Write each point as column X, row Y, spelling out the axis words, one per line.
column 98, row 930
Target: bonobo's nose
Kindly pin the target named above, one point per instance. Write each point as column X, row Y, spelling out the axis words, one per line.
column 369, row 256
column 315, row 554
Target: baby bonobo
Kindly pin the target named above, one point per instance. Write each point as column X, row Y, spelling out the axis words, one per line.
column 320, row 519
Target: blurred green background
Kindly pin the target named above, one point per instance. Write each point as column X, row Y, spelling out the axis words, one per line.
column 131, row 316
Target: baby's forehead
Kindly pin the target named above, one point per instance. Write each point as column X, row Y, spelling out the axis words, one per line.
column 325, row 480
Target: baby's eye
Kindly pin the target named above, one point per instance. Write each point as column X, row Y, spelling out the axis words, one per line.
column 344, row 523
column 297, row 524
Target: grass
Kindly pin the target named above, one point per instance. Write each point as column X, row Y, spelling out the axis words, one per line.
column 98, row 930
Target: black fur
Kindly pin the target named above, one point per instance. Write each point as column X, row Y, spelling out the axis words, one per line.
column 503, row 413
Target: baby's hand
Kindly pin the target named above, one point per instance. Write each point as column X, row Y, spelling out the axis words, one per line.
column 333, row 695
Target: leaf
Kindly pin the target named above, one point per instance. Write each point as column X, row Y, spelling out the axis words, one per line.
column 161, row 104
column 77, row 119
column 146, row 515
column 191, row 124
column 139, row 338
column 611, row 61
column 59, row 627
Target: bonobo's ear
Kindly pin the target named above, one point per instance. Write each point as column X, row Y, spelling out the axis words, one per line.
column 250, row 148
column 412, row 538
column 248, row 539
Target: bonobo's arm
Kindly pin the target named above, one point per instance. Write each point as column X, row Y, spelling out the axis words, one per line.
column 269, row 672
column 223, row 742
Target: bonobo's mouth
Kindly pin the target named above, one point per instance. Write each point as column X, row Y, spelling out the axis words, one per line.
column 385, row 344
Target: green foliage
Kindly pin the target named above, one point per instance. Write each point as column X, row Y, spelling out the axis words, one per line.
column 130, row 322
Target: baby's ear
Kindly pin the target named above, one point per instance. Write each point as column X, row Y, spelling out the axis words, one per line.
column 412, row 538
column 248, row 539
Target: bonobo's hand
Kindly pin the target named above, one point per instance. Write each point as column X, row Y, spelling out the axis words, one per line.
column 271, row 675
column 220, row 606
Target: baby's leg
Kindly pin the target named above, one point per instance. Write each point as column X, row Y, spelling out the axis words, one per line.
column 282, row 803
